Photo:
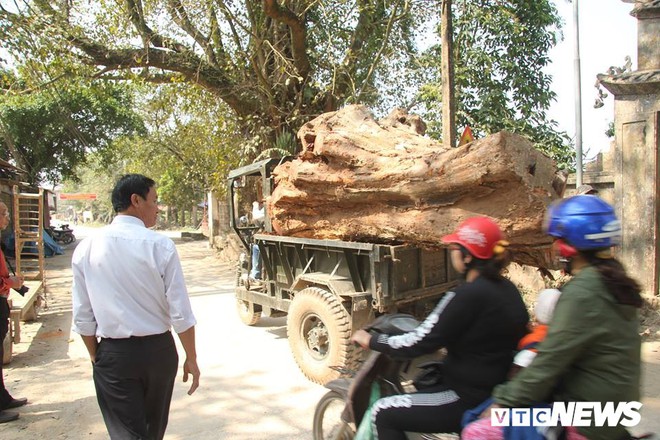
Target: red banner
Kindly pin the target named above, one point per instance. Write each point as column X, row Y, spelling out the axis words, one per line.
column 77, row 196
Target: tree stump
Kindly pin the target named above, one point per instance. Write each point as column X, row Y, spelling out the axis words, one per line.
column 359, row 179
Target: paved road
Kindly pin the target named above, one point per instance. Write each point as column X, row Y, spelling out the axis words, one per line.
column 251, row 388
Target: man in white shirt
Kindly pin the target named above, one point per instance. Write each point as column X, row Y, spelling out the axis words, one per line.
column 128, row 291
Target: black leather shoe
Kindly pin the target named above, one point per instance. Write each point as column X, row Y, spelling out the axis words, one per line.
column 15, row 403
column 8, row 416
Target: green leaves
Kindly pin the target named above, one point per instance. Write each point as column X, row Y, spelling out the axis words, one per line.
column 500, row 50
column 51, row 130
column 223, row 82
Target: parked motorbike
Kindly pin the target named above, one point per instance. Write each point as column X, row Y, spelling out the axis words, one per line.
column 340, row 411
column 62, row 234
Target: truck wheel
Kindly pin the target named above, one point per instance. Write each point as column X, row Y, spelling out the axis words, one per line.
column 327, row 419
column 319, row 329
column 247, row 313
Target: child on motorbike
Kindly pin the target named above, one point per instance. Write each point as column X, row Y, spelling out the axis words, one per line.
column 592, row 350
column 479, row 323
column 543, row 311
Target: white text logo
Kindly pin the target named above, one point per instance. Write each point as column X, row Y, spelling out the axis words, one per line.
column 570, row 414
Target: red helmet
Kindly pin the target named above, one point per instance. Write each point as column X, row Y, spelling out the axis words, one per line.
column 478, row 235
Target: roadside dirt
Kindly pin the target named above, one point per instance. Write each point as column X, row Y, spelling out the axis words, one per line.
column 251, row 388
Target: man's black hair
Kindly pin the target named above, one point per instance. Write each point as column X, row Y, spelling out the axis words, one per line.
column 128, row 185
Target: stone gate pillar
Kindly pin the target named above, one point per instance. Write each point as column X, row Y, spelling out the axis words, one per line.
column 636, row 158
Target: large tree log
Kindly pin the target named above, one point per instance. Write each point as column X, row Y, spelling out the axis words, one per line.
column 361, row 180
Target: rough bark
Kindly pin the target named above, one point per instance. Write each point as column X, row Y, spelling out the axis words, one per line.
column 363, row 180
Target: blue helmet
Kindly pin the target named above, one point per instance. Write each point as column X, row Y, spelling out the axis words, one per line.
column 585, row 222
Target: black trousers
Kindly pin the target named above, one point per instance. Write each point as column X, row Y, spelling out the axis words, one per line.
column 5, row 397
column 134, row 379
column 430, row 412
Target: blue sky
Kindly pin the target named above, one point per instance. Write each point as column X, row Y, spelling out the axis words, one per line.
column 607, row 34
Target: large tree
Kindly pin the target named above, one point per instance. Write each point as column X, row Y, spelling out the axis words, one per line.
column 500, row 52
column 49, row 131
column 277, row 63
column 274, row 63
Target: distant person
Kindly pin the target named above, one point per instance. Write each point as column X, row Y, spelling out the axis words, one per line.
column 258, row 216
column 6, row 282
column 128, row 290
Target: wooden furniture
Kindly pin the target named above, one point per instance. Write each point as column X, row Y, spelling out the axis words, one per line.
column 29, row 250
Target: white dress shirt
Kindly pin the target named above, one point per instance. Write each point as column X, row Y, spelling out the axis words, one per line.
column 127, row 281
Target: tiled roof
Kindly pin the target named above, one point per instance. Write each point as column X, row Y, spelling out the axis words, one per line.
column 642, row 6
column 639, row 82
column 8, row 171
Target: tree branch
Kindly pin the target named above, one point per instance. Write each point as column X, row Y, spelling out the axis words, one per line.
column 148, row 35
column 376, row 59
column 194, row 69
column 180, row 17
column 298, row 34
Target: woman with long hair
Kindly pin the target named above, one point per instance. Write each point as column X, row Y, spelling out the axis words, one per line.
column 592, row 350
column 479, row 323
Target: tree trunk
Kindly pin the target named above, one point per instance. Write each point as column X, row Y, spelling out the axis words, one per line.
column 361, row 180
column 447, row 65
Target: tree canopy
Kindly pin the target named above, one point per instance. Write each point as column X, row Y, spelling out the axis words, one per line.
column 49, row 131
column 500, row 51
column 270, row 66
column 274, row 64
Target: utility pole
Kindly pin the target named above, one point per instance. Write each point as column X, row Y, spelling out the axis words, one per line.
column 578, row 97
column 447, row 66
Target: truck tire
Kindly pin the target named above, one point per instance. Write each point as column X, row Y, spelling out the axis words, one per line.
column 327, row 419
column 318, row 327
column 247, row 312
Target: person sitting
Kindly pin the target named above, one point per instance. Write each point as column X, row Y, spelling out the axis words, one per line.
column 543, row 311
column 258, row 216
column 592, row 352
column 479, row 323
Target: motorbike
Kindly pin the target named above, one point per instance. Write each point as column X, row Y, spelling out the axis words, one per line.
column 62, row 234
column 340, row 411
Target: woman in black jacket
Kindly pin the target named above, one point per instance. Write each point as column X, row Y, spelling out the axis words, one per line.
column 479, row 323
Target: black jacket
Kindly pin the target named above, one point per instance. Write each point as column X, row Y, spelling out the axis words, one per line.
column 480, row 324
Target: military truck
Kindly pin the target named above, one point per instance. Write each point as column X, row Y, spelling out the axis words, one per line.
column 326, row 288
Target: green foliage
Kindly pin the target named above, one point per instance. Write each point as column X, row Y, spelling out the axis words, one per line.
column 49, row 131
column 190, row 146
column 274, row 64
column 610, row 132
column 500, row 50
column 94, row 176
column 263, row 68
